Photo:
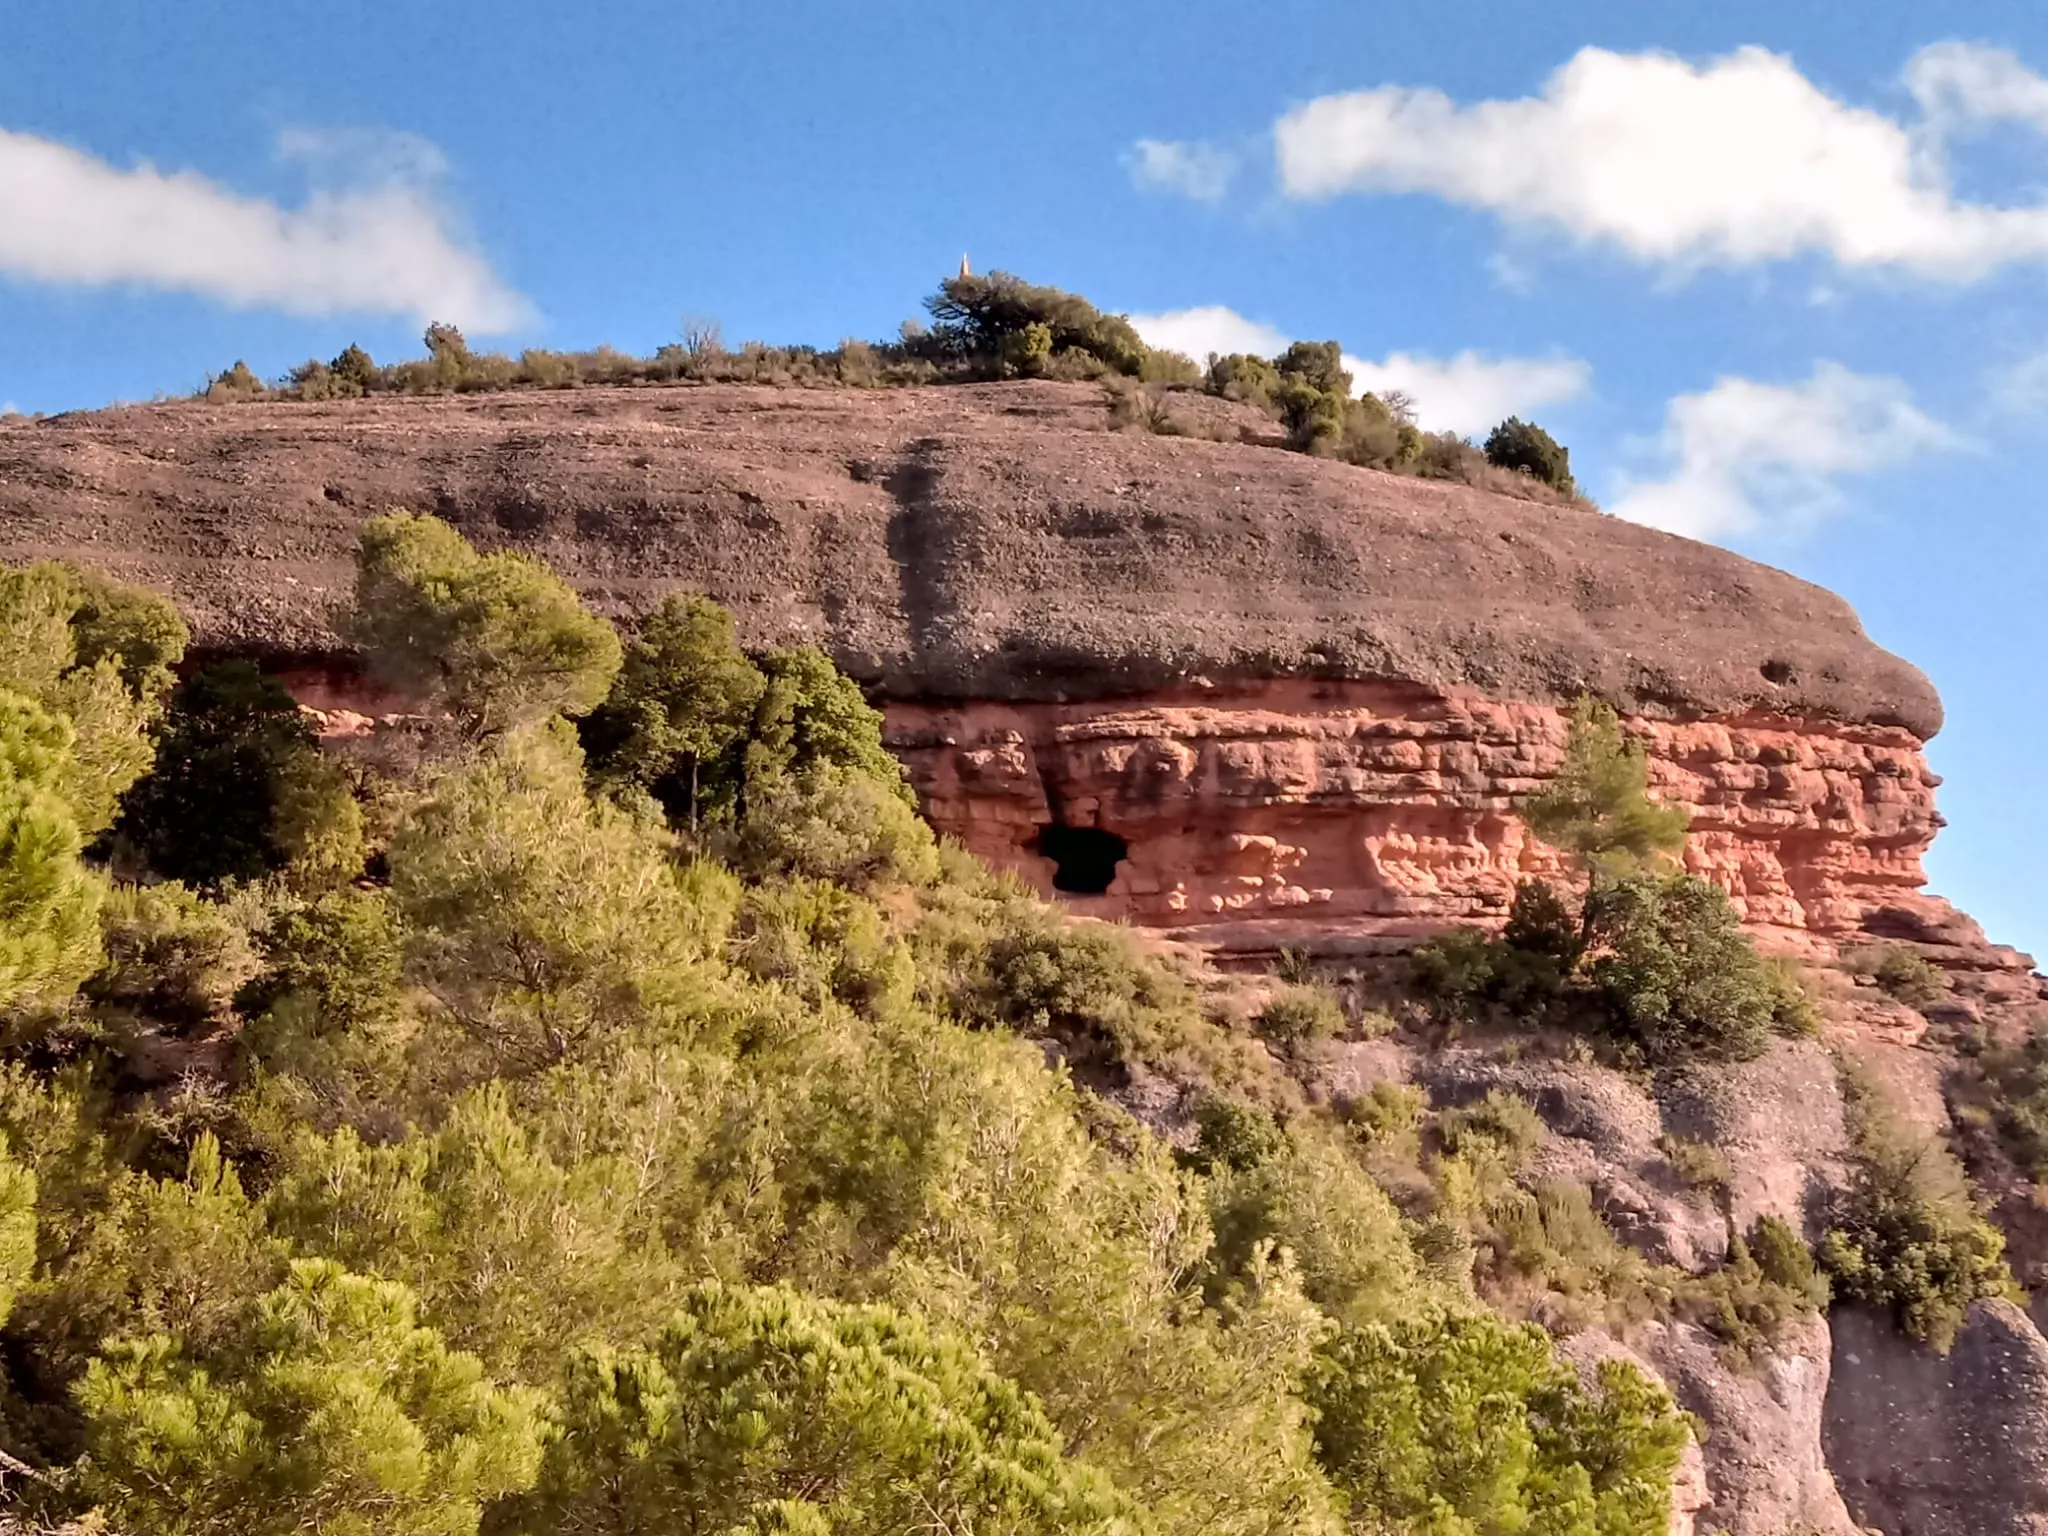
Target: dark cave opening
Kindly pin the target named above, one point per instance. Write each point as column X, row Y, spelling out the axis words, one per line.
column 1084, row 858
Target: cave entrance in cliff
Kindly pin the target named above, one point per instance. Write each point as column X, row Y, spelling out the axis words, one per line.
column 1084, row 858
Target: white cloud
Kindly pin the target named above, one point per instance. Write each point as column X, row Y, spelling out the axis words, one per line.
column 1211, row 328
column 1744, row 454
column 1466, row 393
column 1471, row 392
column 380, row 241
column 1958, row 84
column 1200, row 171
column 9, row 408
column 1738, row 160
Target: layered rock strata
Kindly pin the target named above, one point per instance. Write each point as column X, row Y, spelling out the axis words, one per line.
column 1262, row 814
column 1208, row 685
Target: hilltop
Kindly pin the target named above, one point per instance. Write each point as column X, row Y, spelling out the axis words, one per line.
column 973, row 541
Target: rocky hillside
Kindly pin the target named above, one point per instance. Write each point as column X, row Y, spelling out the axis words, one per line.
column 1300, row 696
column 1261, row 702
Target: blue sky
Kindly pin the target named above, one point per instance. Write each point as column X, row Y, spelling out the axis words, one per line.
column 1794, row 299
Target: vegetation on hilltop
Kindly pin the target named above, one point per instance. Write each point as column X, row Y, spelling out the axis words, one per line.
column 989, row 327
column 642, row 1121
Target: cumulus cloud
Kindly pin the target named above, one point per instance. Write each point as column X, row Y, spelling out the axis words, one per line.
column 1466, row 393
column 1738, row 160
column 1200, row 171
column 1210, row 328
column 1472, row 392
column 1745, row 455
column 373, row 237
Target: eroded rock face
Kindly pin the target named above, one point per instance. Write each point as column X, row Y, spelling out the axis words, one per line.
column 1263, row 814
column 1930, row 1445
column 1765, row 1470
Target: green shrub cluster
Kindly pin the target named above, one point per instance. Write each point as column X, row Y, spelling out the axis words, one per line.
column 1658, row 956
column 983, row 327
column 1898, row 972
column 1908, row 1236
column 635, row 1131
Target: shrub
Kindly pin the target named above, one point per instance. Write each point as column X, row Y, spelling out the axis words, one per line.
column 1300, row 1015
column 1793, row 1010
column 1502, row 1122
column 1385, row 1112
column 1899, row 972
column 1083, row 987
column 763, row 1410
column 830, row 823
column 1540, row 922
column 171, row 957
column 1306, row 1194
column 1241, row 376
column 338, row 1411
column 497, row 640
column 1525, row 447
column 977, row 317
column 49, row 902
column 1768, row 1279
column 1699, row 1165
column 1314, row 418
column 1449, row 1422
column 1678, row 974
column 1462, row 968
column 2017, row 1077
column 1908, row 1236
column 236, row 383
column 227, row 751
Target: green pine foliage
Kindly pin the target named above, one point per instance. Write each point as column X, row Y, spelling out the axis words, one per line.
column 652, row 1127
column 1598, row 806
column 332, row 1409
column 756, row 1403
column 1469, row 1426
column 49, row 901
column 1658, row 955
column 498, row 640
column 224, row 799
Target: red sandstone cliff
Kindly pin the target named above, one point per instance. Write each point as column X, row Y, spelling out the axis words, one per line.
column 1302, row 697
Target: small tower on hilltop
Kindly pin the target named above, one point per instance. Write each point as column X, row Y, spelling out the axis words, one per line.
column 965, row 270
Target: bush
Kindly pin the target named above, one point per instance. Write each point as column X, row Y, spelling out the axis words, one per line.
column 233, row 745
column 829, row 823
column 763, row 1410
column 1525, row 447
column 1899, row 972
column 1306, row 1194
column 1502, row 1122
column 1300, row 1015
column 49, row 902
column 498, row 641
column 1907, row 1236
column 1448, row 1422
column 1699, row 1165
column 337, row 1411
column 993, row 318
column 1678, row 975
column 1769, row 1279
column 171, row 957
